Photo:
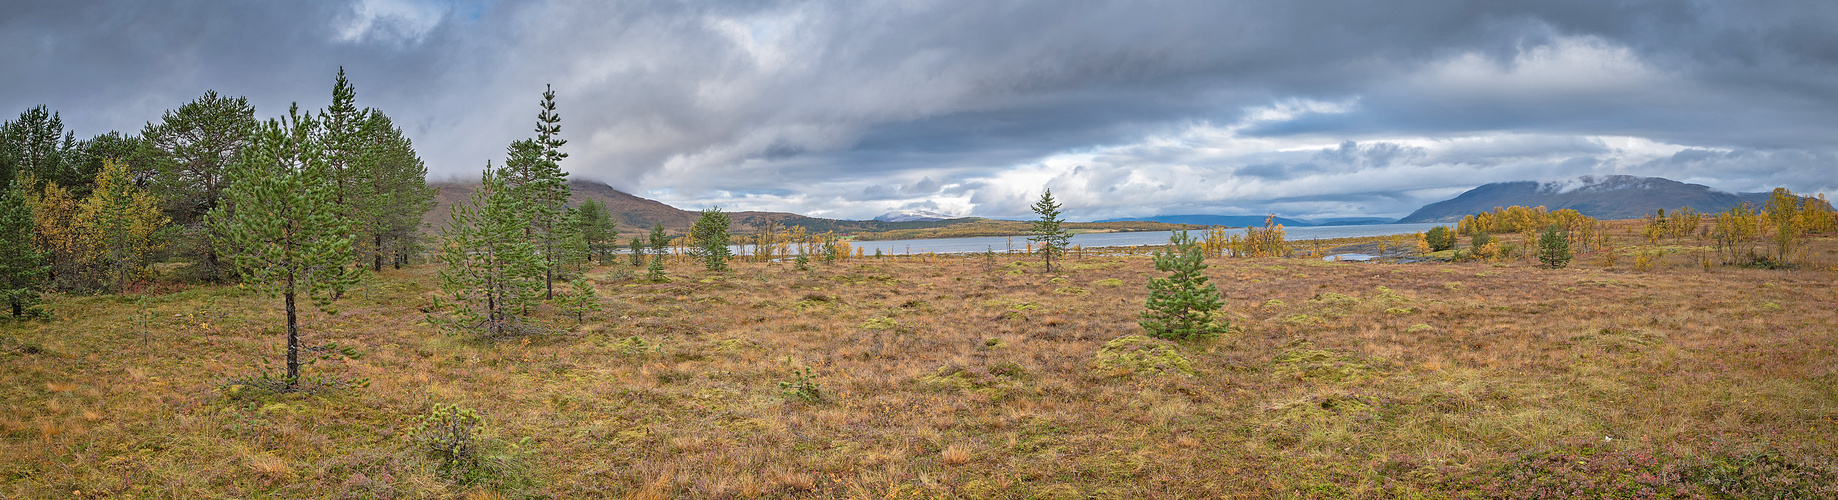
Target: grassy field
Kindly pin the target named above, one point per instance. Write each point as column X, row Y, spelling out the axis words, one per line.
column 933, row 377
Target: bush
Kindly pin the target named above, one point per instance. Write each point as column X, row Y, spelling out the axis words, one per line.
column 1440, row 238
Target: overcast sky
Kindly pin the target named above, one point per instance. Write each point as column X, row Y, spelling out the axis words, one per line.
column 851, row 109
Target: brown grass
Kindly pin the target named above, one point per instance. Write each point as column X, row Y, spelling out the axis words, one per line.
column 949, row 377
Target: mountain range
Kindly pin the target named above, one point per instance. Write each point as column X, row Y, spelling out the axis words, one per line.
column 1605, row 197
column 1602, row 197
column 636, row 215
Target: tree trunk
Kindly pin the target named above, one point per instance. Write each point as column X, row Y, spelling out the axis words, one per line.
column 376, row 254
column 293, row 339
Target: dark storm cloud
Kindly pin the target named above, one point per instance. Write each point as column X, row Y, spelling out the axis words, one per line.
column 1123, row 108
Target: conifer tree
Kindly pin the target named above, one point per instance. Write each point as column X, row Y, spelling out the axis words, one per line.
column 637, row 250
column 1553, row 249
column 659, row 243
column 37, row 144
column 599, row 230
column 710, row 233
column 1181, row 305
column 22, row 266
column 533, row 170
column 394, row 189
column 492, row 268
column 1047, row 231
column 279, row 221
column 192, row 147
column 124, row 226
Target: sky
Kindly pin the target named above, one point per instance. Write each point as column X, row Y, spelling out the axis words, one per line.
column 852, row 109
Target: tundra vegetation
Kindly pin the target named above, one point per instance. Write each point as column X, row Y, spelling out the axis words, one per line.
column 1690, row 357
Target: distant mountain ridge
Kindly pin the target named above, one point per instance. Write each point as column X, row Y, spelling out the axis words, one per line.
column 636, row 215
column 914, row 216
column 1603, row 197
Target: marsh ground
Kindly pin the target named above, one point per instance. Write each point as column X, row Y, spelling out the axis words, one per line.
column 963, row 377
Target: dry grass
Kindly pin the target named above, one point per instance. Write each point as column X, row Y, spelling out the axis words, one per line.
column 950, row 377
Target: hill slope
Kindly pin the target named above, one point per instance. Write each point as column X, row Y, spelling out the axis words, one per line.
column 636, row 215
column 1607, row 197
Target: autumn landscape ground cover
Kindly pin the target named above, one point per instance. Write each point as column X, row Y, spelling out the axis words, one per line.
column 973, row 376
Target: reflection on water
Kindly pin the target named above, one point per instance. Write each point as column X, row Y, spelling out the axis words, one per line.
column 1094, row 240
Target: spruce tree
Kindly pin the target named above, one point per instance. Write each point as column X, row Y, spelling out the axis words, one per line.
column 492, row 268
column 279, row 222
column 1047, row 231
column 22, row 267
column 710, row 233
column 1181, row 305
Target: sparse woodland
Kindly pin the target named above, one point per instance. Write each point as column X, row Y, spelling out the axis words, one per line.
column 151, row 284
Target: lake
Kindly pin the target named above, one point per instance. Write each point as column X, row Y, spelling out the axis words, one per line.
column 1094, row 240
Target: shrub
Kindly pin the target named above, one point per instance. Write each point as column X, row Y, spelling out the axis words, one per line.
column 1440, row 238
column 450, row 435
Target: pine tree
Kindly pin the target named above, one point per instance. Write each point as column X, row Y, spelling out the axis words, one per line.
column 710, row 233
column 1553, row 249
column 492, row 268
column 534, row 171
column 192, row 147
column 1047, row 231
column 581, row 301
column 124, row 225
column 36, row 144
column 22, row 266
column 1181, row 305
column 637, row 250
column 279, row 222
column 659, row 242
column 599, row 230
column 394, row 189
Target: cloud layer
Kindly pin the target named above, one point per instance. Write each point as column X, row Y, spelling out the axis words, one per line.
column 851, row 109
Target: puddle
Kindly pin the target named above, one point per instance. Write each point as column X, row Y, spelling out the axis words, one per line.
column 1350, row 257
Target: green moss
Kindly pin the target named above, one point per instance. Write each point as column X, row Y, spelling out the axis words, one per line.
column 1322, row 364
column 1141, row 354
column 1110, row 282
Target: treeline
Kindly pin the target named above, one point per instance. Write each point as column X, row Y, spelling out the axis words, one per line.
column 1771, row 236
column 96, row 214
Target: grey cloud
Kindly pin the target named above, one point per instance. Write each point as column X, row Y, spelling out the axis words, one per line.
column 848, row 108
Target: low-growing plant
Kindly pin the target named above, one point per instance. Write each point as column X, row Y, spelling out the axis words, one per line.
column 803, row 386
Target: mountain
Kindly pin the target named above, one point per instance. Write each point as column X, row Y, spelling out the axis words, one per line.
column 1253, row 220
column 636, row 215
column 1607, row 197
column 913, row 216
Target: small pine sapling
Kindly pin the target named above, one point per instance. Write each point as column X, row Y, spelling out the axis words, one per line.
column 581, row 301
column 1553, row 249
column 1181, row 305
